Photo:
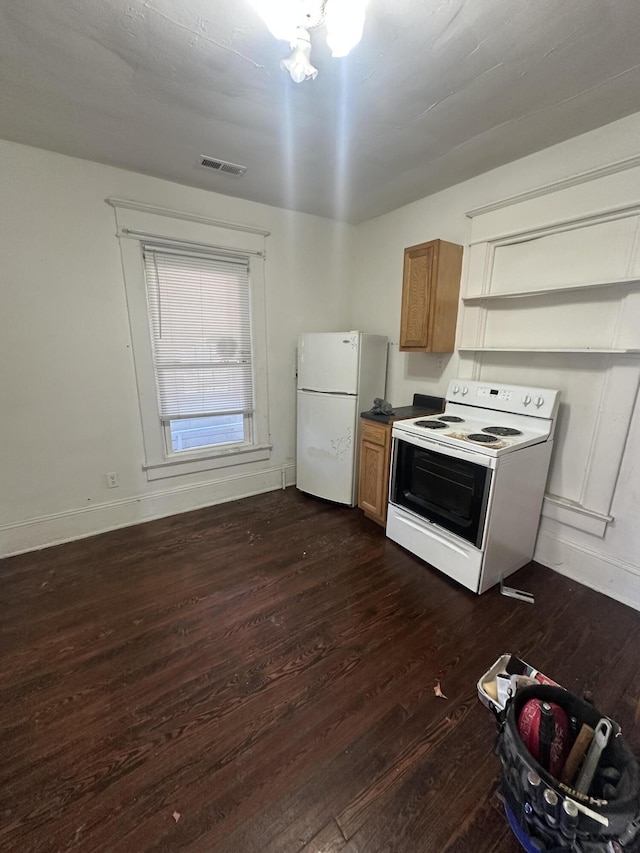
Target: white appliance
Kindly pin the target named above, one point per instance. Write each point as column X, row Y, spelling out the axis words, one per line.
column 467, row 485
column 339, row 375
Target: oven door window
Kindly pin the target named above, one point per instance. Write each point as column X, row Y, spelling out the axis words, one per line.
column 450, row 492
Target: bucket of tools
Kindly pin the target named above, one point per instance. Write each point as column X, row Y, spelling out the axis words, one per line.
column 569, row 780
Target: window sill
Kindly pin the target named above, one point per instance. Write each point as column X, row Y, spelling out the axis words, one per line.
column 178, row 467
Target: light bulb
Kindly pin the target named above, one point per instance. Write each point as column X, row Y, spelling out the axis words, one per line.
column 345, row 23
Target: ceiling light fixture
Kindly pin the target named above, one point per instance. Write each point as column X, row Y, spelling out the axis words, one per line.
column 291, row 20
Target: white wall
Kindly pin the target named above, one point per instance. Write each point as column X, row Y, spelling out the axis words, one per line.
column 611, row 563
column 67, row 383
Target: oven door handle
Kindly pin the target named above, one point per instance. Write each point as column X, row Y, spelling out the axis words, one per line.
column 445, row 449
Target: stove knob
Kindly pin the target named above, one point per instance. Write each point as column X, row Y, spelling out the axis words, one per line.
column 465, row 390
column 456, row 388
column 539, row 401
column 526, row 399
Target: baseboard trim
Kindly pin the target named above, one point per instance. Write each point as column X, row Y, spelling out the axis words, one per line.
column 36, row 533
column 612, row 577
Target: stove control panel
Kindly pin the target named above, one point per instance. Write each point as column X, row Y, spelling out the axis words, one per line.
column 505, row 394
column 494, row 393
column 540, row 402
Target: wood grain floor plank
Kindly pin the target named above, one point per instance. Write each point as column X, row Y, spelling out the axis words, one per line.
column 328, row 840
column 435, row 796
column 485, row 821
column 290, row 822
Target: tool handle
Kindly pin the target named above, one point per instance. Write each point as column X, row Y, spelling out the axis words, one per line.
column 588, row 769
column 578, row 750
column 547, row 734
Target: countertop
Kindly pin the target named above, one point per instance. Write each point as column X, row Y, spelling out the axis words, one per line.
column 423, row 404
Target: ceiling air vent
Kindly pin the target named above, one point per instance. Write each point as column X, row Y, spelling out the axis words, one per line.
column 222, row 166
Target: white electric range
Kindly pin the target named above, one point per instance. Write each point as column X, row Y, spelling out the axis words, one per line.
column 467, row 485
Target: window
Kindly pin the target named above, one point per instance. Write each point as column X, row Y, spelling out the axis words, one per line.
column 195, row 296
column 200, row 320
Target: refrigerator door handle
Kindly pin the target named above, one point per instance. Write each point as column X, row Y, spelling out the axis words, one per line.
column 328, row 393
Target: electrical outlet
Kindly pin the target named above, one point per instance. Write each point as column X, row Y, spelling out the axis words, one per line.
column 440, row 362
column 112, row 480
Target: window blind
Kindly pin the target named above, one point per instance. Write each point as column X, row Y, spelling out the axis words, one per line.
column 200, row 319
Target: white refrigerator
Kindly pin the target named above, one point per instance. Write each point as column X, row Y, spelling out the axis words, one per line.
column 339, row 375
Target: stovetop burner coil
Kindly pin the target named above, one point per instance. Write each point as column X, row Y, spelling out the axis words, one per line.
column 500, row 430
column 451, row 419
column 431, row 424
column 482, row 438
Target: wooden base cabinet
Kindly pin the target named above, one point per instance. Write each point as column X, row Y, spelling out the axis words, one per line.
column 375, row 457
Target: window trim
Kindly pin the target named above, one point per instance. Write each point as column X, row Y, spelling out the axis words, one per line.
column 135, row 228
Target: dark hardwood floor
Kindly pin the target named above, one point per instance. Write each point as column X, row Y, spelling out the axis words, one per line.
column 258, row 677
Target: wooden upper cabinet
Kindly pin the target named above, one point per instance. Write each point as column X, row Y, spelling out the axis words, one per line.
column 430, row 292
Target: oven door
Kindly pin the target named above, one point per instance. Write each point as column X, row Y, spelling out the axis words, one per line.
column 448, row 487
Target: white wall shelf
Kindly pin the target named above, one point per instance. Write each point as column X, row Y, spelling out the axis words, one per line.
column 586, row 350
column 551, row 291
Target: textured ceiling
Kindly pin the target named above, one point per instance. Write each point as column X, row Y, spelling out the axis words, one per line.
column 437, row 91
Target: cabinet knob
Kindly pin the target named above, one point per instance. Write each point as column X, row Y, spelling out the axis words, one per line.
column 539, row 401
column 526, row 399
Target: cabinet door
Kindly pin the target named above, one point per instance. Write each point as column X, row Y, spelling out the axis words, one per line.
column 417, row 287
column 373, row 483
column 430, row 293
